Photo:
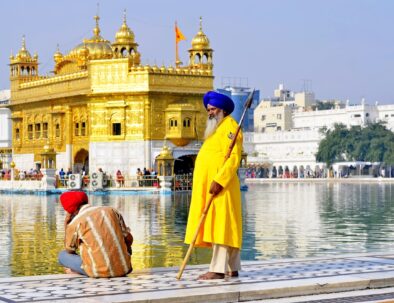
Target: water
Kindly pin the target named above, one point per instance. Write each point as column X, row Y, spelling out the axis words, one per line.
column 280, row 221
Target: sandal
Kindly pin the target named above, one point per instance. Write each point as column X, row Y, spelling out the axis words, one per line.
column 211, row 276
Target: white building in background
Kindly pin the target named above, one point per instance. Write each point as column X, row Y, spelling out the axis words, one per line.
column 271, row 116
column 349, row 115
column 287, row 129
column 275, row 114
column 5, row 129
column 5, row 119
column 294, row 149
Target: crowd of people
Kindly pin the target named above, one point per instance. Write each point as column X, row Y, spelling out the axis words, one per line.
column 261, row 171
column 145, row 177
column 32, row 174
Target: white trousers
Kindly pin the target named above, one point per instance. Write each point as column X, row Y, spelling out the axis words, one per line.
column 225, row 259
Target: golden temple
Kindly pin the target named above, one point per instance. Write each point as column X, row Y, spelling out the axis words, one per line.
column 103, row 108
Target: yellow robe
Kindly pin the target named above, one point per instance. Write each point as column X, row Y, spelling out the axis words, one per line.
column 223, row 223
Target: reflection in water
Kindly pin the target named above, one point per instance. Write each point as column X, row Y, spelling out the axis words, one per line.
column 280, row 220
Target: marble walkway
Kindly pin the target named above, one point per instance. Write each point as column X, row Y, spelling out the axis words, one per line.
column 258, row 281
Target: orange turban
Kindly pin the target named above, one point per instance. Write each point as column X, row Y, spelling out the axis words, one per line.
column 71, row 200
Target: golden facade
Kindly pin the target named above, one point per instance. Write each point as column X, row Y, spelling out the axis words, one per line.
column 100, row 92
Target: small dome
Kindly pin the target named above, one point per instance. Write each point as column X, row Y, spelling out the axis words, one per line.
column 200, row 41
column 23, row 52
column 125, row 35
column 57, row 56
column 96, row 50
column 165, row 153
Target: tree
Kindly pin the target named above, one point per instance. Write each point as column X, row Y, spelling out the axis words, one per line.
column 373, row 143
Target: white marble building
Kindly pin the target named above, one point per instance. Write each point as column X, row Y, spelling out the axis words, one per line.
column 5, row 129
column 5, row 121
column 294, row 147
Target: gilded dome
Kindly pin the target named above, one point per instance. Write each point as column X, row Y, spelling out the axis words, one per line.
column 125, row 35
column 57, row 56
column 200, row 41
column 23, row 52
column 97, row 46
column 165, row 153
column 83, row 52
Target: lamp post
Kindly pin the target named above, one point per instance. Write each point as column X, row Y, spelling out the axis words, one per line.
column 48, row 169
column 12, row 165
column 165, row 167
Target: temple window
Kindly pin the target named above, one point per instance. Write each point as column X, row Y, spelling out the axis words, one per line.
column 173, row 123
column 197, row 58
column 116, row 129
column 57, row 130
column 76, row 129
column 30, row 131
column 205, row 59
column 45, row 130
column 17, row 134
column 123, row 52
column 186, row 122
column 83, row 129
column 37, row 129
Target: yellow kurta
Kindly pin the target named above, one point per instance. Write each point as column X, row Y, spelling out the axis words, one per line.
column 223, row 223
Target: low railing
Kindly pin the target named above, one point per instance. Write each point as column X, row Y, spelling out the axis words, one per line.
column 117, row 182
column 21, row 177
column 183, row 182
column 179, row 183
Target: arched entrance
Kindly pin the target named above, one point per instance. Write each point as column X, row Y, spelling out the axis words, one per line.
column 81, row 161
column 184, row 164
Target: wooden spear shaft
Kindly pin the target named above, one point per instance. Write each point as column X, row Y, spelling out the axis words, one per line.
column 248, row 103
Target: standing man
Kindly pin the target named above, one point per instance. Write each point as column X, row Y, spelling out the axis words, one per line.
column 222, row 229
column 99, row 234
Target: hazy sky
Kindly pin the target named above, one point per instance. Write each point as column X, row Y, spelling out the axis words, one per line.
column 340, row 49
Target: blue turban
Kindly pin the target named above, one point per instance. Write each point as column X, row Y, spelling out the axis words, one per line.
column 219, row 100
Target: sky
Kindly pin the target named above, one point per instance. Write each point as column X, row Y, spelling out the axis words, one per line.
column 339, row 49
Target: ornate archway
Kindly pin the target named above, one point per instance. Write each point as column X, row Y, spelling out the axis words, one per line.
column 184, row 164
column 81, row 161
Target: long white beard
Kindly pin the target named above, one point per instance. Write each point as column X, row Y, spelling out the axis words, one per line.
column 212, row 124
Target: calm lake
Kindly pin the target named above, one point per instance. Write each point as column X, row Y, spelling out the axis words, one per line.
column 280, row 221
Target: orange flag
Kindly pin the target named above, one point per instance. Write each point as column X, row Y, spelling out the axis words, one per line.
column 178, row 34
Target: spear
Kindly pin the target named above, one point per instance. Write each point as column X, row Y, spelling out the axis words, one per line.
column 247, row 105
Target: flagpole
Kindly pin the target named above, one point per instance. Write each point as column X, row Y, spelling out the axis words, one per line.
column 176, row 47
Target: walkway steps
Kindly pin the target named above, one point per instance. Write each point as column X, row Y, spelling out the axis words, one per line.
column 259, row 280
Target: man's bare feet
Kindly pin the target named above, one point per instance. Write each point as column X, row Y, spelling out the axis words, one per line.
column 211, row 276
column 70, row 271
column 232, row 273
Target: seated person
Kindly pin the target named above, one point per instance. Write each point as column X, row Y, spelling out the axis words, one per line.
column 119, row 178
column 22, row 175
column 100, row 236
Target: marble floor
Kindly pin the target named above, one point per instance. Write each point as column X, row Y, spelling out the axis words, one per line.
column 258, row 280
